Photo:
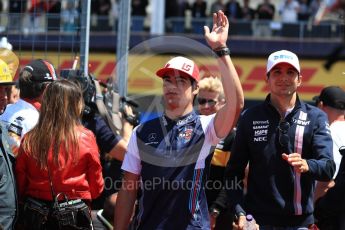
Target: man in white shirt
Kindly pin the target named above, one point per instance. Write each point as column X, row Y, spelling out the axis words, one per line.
column 332, row 102
column 22, row 116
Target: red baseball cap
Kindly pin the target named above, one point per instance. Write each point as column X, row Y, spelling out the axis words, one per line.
column 41, row 71
column 180, row 66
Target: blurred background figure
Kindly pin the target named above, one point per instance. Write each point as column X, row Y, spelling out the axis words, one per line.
column 210, row 96
column 304, row 10
column 17, row 8
column 139, row 7
column 332, row 101
column 264, row 13
column 288, row 10
column 330, row 200
column 265, row 10
column 37, row 10
column 210, row 100
column 199, row 9
column 338, row 6
column 247, row 12
column 53, row 15
column 69, row 17
column 217, row 5
column 233, row 10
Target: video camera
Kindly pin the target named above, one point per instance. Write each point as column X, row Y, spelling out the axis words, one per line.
column 108, row 100
column 90, row 95
column 87, row 86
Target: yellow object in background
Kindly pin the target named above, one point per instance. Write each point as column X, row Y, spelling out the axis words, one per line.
column 8, row 66
column 220, row 157
column 5, row 73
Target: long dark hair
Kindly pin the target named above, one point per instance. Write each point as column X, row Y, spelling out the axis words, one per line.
column 61, row 109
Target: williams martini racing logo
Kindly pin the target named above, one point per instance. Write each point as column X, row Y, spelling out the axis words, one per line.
column 186, row 134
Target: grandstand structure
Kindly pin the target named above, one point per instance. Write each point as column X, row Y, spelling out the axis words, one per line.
column 30, row 26
column 55, row 32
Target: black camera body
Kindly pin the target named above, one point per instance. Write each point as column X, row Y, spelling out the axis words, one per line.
column 87, row 86
column 89, row 94
column 133, row 118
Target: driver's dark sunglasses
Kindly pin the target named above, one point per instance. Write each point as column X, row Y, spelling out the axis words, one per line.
column 210, row 102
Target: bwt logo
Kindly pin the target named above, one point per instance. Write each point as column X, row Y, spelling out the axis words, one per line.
column 283, row 57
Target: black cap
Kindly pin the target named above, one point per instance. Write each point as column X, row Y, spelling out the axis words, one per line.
column 41, row 70
column 332, row 96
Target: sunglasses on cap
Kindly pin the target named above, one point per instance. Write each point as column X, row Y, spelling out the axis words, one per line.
column 210, row 102
column 283, row 128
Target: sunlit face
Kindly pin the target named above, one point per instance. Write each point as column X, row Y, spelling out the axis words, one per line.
column 3, row 98
column 177, row 92
column 12, row 94
column 208, row 102
column 283, row 80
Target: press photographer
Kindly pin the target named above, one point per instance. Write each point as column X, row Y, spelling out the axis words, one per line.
column 112, row 129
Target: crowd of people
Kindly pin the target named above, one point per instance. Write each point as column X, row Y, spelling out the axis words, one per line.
column 65, row 15
column 288, row 10
column 265, row 160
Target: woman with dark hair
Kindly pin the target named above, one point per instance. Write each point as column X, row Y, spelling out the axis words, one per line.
column 59, row 149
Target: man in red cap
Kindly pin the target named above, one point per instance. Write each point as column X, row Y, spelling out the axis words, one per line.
column 22, row 116
column 167, row 154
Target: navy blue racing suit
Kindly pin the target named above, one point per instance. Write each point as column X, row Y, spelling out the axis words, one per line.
column 277, row 195
column 170, row 156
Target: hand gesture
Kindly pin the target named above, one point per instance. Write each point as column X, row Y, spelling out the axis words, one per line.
column 240, row 224
column 218, row 36
column 295, row 160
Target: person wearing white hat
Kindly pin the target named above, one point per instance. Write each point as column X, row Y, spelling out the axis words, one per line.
column 288, row 146
column 168, row 154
